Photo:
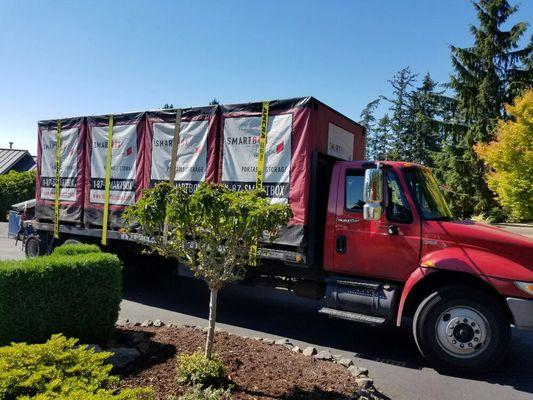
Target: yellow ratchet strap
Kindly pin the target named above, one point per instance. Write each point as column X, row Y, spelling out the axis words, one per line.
column 173, row 158
column 57, row 187
column 107, row 179
column 263, row 128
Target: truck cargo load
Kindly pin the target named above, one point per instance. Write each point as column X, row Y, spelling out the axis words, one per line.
column 71, row 170
column 296, row 128
column 196, row 154
column 216, row 144
column 127, row 166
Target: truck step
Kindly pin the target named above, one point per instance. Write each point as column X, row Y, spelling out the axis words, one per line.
column 352, row 316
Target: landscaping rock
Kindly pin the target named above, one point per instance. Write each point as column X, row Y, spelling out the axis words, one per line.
column 296, row 349
column 363, row 395
column 324, row 355
column 123, row 356
column 122, row 322
column 268, row 341
column 158, row 323
column 257, row 338
column 147, row 323
column 364, row 383
column 309, row 351
column 283, row 342
column 358, row 371
column 345, row 362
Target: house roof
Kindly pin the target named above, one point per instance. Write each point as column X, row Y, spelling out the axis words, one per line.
column 10, row 157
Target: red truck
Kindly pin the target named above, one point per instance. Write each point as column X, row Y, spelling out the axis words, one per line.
column 380, row 246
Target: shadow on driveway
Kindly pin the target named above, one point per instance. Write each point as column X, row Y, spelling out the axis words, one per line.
column 280, row 313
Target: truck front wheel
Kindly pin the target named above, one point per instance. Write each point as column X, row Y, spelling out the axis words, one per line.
column 461, row 329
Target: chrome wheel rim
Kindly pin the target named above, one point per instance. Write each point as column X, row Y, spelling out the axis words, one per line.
column 462, row 332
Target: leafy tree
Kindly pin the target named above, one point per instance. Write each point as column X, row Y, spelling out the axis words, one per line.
column 15, row 187
column 486, row 76
column 213, row 231
column 510, row 157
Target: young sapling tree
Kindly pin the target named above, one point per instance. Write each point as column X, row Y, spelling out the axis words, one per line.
column 213, row 231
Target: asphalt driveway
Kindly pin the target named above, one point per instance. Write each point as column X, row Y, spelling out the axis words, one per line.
column 390, row 354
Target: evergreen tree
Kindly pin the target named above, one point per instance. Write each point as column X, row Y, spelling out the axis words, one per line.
column 424, row 135
column 168, row 106
column 486, row 76
column 383, row 140
column 368, row 121
column 401, row 83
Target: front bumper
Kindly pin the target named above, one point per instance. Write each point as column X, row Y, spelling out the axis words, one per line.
column 522, row 311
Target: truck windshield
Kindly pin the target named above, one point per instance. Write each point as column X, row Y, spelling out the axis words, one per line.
column 427, row 194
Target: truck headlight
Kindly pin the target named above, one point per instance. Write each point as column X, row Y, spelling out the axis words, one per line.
column 525, row 286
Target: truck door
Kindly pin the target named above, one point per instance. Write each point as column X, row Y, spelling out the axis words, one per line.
column 388, row 248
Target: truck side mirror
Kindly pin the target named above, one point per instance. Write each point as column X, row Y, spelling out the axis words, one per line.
column 373, row 194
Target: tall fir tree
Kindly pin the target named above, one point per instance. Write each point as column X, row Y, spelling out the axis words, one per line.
column 402, row 83
column 383, row 139
column 424, row 135
column 487, row 75
column 368, row 121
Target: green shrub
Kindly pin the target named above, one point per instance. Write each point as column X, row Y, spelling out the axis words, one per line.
column 76, row 295
column 209, row 393
column 73, row 249
column 14, row 188
column 195, row 369
column 58, row 369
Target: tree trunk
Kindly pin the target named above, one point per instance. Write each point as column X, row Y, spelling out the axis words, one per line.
column 212, row 321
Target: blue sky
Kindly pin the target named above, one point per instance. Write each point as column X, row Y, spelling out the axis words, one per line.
column 70, row 58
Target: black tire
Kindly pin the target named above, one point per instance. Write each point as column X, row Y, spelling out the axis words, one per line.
column 32, row 247
column 434, row 332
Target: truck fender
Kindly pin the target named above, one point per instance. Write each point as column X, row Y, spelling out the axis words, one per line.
column 416, row 276
column 482, row 264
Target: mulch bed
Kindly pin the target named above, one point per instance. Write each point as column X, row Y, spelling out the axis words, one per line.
column 257, row 369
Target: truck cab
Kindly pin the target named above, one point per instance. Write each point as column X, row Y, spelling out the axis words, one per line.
column 392, row 250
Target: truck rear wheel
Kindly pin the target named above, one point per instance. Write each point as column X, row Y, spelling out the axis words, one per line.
column 461, row 329
column 32, row 246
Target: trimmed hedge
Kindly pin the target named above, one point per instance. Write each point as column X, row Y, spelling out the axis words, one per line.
column 77, row 295
column 73, row 249
column 14, row 188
